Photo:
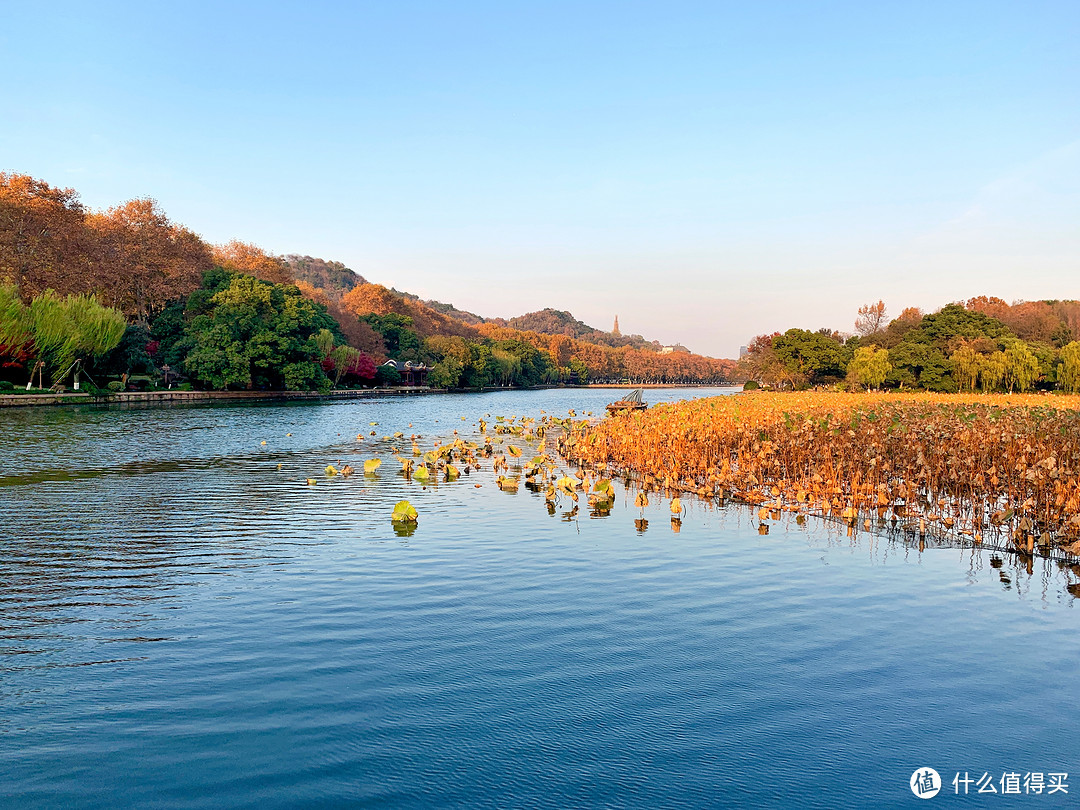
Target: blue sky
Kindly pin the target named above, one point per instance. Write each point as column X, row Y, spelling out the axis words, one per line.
column 707, row 171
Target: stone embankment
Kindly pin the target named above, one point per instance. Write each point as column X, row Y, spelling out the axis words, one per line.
column 174, row 397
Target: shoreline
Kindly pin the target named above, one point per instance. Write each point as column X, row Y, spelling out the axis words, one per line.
column 200, row 397
column 176, row 397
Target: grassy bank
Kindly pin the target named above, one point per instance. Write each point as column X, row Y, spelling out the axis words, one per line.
column 1003, row 469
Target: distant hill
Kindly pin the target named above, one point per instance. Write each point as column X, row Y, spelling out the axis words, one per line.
column 334, row 278
column 470, row 318
column 558, row 322
column 374, row 299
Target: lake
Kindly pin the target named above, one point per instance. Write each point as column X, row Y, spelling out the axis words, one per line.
column 186, row 622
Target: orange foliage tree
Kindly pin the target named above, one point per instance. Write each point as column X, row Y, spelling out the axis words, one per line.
column 142, row 260
column 244, row 257
column 374, row 299
column 43, row 238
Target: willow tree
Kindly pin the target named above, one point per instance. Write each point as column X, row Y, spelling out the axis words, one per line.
column 870, row 367
column 1069, row 368
column 14, row 318
column 992, row 370
column 965, row 367
column 66, row 329
column 344, row 358
column 1021, row 367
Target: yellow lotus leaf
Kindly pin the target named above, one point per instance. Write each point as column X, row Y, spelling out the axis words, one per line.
column 404, row 512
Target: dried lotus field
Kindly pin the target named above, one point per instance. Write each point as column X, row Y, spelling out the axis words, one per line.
column 996, row 469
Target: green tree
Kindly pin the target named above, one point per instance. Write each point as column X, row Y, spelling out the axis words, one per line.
column 1021, row 367
column 16, row 337
column 965, row 368
column 402, row 341
column 130, row 355
column 387, row 375
column 343, row 358
column 809, row 355
column 254, row 334
column 992, row 371
column 869, row 367
column 506, row 366
column 1069, row 368
column 446, row 373
column 75, row 327
column 922, row 365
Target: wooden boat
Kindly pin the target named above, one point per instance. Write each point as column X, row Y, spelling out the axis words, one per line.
column 634, row 402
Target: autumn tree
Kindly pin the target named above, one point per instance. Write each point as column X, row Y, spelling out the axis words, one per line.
column 871, row 319
column 244, row 257
column 142, row 260
column 374, row 299
column 44, row 243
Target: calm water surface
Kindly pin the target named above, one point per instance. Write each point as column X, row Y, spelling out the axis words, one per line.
column 184, row 622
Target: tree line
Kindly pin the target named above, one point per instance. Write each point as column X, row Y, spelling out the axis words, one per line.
column 983, row 343
column 129, row 292
column 464, row 355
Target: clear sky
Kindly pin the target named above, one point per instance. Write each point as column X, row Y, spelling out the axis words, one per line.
column 707, row 171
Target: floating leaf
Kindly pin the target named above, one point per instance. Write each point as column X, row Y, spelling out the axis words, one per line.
column 371, row 465
column 404, row 512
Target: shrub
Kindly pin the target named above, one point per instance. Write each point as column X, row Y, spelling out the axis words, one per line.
column 115, row 385
column 750, row 385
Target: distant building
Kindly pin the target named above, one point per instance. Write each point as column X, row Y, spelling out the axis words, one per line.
column 411, row 373
column 667, row 349
column 615, row 329
column 743, row 351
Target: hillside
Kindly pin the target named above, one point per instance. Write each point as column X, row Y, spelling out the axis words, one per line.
column 231, row 314
column 334, row 278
